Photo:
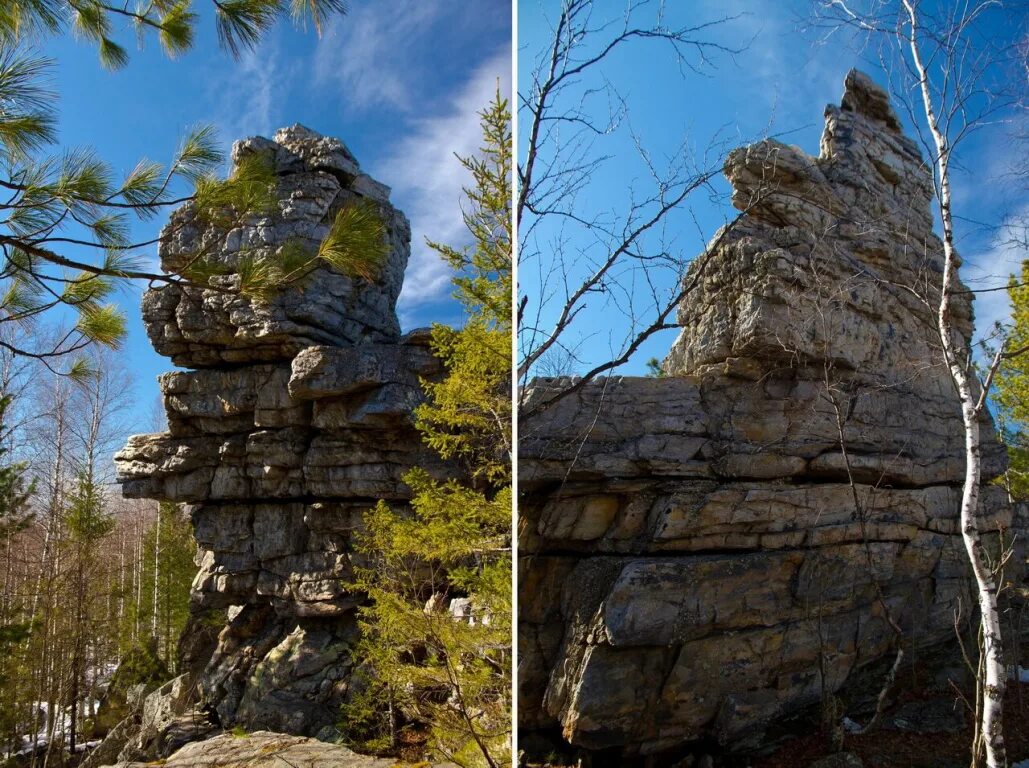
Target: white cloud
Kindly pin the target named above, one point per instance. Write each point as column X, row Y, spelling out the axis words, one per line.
column 248, row 98
column 992, row 268
column 784, row 74
column 427, row 178
column 364, row 53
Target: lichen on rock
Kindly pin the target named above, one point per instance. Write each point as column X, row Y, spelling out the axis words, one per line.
column 295, row 418
column 694, row 562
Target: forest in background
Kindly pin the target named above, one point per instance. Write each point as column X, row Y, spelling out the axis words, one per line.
column 87, row 576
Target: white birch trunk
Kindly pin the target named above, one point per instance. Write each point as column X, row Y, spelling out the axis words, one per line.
column 993, row 686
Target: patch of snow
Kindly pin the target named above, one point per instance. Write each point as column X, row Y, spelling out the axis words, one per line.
column 850, row 726
column 1021, row 674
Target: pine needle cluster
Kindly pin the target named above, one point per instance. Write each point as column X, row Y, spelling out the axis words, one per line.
column 437, row 629
column 66, row 216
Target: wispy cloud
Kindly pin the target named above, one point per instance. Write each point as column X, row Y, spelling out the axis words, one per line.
column 427, row 178
column 992, row 267
column 364, row 54
column 785, row 74
column 248, row 99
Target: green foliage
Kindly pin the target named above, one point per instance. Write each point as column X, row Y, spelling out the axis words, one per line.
column 240, row 23
column 468, row 413
column 15, row 489
column 170, row 549
column 437, row 628
column 450, row 673
column 87, row 518
column 249, row 191
column 1011, row 390
column 654, row 369
column 27, row 122
column 104, row 325
column 59, row 200
column 14, row 517
column 483, row 281
column 356, row 244
column 65, row 196
column 140, row 665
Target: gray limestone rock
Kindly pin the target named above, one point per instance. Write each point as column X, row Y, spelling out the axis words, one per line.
column 264, row 749
column 208, row 327
column 694, row 556
column 295, row 418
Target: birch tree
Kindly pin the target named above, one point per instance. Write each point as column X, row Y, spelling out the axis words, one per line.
column 952, row 77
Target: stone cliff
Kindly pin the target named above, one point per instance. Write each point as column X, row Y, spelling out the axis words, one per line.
column 294, row 419
column 700, row 557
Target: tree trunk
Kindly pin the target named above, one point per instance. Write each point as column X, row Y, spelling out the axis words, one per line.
column 972, row 402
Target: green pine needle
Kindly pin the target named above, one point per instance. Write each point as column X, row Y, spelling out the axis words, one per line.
column 111, row 230
column 250, row 190
column 241, row 23
column 21, row 297
column 90, row 21
column 294, row 260
column 258, row 279
column 177, row 27
column 198, row 155
column 143, row 185
column 201, row 270
column 119, row 262
column 87, row 290
column 81, row 370
column 356, row 244
column 27, row 117
column 316, row 10
column 102, row 324
column 112, row 55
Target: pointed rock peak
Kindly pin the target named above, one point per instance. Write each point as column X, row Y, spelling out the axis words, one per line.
column 316, row 150
column 863, row 96
column 297, row 132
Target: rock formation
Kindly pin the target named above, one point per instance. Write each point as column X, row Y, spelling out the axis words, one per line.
column 265, row 750
column 699, row 555
column 294, row 419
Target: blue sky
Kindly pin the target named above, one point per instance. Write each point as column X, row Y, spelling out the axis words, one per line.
column 778, row 85
column 399, row 81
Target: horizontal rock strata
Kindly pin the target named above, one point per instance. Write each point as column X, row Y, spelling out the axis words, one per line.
column 700, row 555
column 296, row 418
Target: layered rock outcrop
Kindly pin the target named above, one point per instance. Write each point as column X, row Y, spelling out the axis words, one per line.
column 701, row 553
column 295, row 418
column 264, row 749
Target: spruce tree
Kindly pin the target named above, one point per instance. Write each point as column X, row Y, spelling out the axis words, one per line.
column 15, row 515
column 437, row 630
column 1011, row 390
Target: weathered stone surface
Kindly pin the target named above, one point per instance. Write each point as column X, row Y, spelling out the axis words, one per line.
column 205, row 328
column 841, row 760
column 139, row 672
column 264, row 749
column 167, row 718
column 296, row 419
column 697, row 550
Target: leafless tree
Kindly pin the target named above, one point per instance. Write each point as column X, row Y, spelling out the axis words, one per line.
column 583, row 258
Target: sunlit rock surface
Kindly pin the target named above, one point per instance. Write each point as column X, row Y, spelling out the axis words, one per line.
column 295, row 418
column 695, row 562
